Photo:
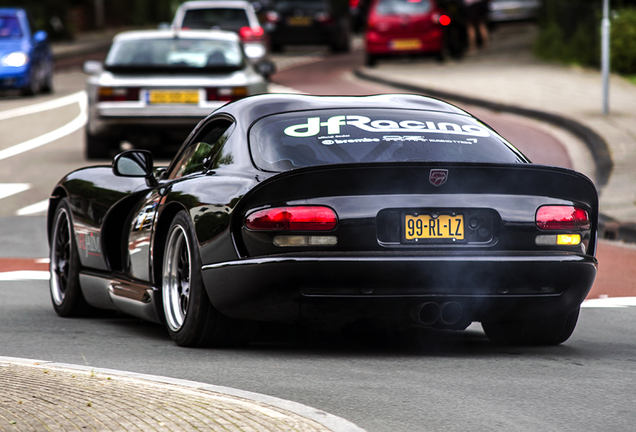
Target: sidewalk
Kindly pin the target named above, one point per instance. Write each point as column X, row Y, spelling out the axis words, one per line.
column 508, row 78
column 37, row 396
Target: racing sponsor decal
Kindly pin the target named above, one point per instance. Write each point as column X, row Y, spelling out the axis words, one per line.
column 314, row 126
column 438, row 177
column 89, row 243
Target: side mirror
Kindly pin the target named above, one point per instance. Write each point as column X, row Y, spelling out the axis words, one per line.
column 40, row 36
column 135, row 163
column 266, row 68
column 93, row 67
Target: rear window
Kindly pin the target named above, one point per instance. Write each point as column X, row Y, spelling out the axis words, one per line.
column 175, row 53
column 215, row 18
column 402, row 7
column 286, row 141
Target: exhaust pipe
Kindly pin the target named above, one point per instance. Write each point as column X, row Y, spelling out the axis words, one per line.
column 451, row 313
column 426, row 313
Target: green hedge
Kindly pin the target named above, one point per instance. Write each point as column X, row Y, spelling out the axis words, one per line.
column 570, row 32
column 623, row 41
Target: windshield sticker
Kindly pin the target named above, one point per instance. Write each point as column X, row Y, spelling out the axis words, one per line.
column 314, row 126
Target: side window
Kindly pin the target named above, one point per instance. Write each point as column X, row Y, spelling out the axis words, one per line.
column 201, row 153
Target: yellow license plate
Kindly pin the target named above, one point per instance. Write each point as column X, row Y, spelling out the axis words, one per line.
column 299, row 21
column 427, row 227
column 405, row 44
column 173, row 97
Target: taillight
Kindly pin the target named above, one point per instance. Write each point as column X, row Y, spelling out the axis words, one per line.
column 117, row 94
column 444, row 20
column 225, row 94
column 322, row 17
column 251, row 34
column 301, row 218
column 562, row 218
column 272, row 16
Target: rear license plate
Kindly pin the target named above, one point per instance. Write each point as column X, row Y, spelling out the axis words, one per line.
column 427, row 227
column 299, row 21
column 405, row 44
column 173, row 97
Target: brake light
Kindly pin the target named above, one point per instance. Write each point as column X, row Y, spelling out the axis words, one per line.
column 117, row 94
column 562, row 218
column 251, row 34
column 302, row 218
column 444, row 20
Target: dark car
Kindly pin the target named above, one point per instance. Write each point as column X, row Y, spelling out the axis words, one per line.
column 397, row 209
column 26, row 60
column 309, row 22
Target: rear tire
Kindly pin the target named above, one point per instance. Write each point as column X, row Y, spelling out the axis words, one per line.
column 191, row 318
column 550, row 330
column 66, row 293
column 370, row 60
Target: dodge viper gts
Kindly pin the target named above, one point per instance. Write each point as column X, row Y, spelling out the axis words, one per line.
column 400, row 210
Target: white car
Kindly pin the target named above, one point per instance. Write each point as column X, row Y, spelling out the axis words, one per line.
column 156, row 85
column 513, row 10
column 237, row 16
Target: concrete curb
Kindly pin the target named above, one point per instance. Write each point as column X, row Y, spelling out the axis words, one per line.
column 329, row 421
column 596, row 144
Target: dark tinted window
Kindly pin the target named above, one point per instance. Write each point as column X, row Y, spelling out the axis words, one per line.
column 203, row 153
column 220, row 18
column 402, row 7
column 285, row 141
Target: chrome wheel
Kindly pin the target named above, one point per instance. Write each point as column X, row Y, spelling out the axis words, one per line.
column 60, row 265
column 177, row 273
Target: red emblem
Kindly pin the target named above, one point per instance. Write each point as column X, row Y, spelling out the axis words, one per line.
column 438, row 177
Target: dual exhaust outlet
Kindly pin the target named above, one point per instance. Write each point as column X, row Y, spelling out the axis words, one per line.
column 429, row 313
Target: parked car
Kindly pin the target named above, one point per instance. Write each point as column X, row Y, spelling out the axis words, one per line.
column 237, row 16
column 26, row 60
column 405, row 27
column 394, row 209
column 310, row 22
column 513, row 10
column 158, row 84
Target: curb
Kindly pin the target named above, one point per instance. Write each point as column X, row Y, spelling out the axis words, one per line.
column 329, row 421
column 596, row 144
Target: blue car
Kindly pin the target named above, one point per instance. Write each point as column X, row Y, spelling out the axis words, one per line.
column 26, row 61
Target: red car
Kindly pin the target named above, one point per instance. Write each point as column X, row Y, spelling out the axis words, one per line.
column 397, row 27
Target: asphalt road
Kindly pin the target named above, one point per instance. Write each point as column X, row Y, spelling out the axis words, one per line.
column 433, row 380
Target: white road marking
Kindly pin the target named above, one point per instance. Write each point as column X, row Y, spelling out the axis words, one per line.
column 610, row 302
column 42, row 106
column 75, row 124
column 39, row 207
column 24, row 275
column 277, row 88
column 8, row 189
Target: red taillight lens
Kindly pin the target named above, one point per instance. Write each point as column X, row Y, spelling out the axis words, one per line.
column 444, row 20
column 562, row 218
column 117, row 94
column 304, row 218
column 251, row 34
column 225, row 94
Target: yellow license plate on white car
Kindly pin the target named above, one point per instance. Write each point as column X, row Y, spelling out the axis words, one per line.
column 173, row 97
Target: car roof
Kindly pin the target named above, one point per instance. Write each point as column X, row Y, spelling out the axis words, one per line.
column 252, row 108
column 183, row 34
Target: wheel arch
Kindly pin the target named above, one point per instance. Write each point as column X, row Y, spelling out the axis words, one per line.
column 54, row 201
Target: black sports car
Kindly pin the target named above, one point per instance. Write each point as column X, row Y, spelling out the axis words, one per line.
column 397, row 209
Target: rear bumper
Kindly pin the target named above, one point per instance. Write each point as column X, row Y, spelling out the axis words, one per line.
column 348, row 288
